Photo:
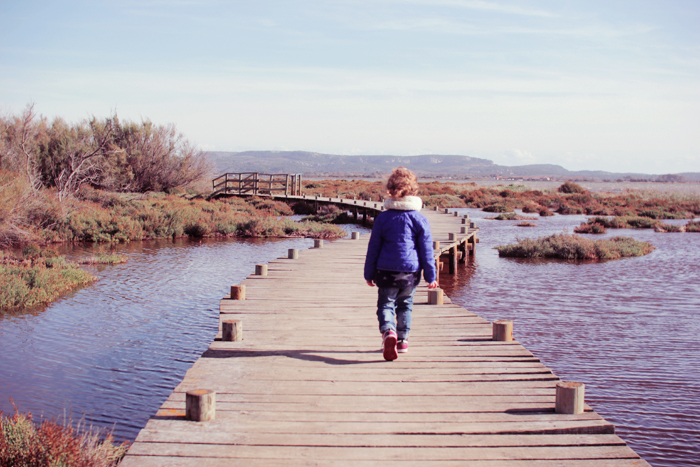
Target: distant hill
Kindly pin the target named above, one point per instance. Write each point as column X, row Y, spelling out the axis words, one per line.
column 438, row 166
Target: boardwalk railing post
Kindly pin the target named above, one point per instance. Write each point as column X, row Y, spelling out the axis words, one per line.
column 570, row 397
column 463, row 230
column 318, row 243
column 452, row 236
column 503, row 330
column 355, row 235
column 261, row 269
column 232, row 330
column 456, row 214
column 435, row 297
column 293, row 253
column 200, row 405
column 238, row 292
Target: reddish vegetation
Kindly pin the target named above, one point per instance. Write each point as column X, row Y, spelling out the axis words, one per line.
column 570, row 199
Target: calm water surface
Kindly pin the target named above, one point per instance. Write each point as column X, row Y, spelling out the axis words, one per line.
column 112, row 352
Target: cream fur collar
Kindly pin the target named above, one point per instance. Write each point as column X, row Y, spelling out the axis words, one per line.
column 407, row 203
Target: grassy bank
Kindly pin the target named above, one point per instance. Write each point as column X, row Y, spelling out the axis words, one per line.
column 97, row 216
column 50, row 444
column 574, row 247
column 36, row 277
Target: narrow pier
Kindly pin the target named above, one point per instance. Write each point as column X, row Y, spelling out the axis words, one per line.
column 307, row 384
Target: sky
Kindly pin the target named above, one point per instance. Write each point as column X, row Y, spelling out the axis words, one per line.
column 586, row 84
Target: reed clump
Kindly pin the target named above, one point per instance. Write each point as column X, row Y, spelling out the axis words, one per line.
column 50, row 444
column 36, row 278
column 574, row 247
column 104, row 258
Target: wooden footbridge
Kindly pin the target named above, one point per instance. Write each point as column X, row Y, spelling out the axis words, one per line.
column 307, row 384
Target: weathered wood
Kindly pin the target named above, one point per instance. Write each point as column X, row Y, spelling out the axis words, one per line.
column 200, row 405
column 503, row 330
column 237, row 292
column 261, row 269
column 293, row 253
column 435, row 296
column 356, row 235
column 318, row 243
column 232, row 330
column 569, row 398
column 309, row 384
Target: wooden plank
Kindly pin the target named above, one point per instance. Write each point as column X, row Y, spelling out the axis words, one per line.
column 308, row 384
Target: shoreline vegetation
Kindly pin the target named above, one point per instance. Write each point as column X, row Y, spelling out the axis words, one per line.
column 49, row 443
column 575, row 247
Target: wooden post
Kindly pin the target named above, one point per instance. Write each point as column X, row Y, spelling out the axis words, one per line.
column 465, row 221
column 463, row 249
column 355, row 235
column 456, row 214
column 435, row 296
column 472, row 225
column 463, row 230
column 238, row 292
column 569, row 398
column 200, row 405
column 436, row 245
column 293, row 253
column 503, row 330
column 447, row 211
column 232, row 330
column 261, row 269
column 436, row 208
column 318, row 243
column 452, row 236
column 453, row 260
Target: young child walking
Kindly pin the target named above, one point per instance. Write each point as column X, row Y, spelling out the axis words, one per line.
column 400, row 248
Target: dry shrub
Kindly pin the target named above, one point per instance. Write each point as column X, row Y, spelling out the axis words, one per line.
column 667, row 228
column 590, row 228
column 51, row 444
column 693, row 226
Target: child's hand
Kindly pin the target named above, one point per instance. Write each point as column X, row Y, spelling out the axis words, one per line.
column 433, row 285
column 370, row 283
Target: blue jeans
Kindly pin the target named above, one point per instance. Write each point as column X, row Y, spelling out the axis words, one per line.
column 394, row 307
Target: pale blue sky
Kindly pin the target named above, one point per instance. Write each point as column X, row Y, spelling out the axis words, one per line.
column 610, row 85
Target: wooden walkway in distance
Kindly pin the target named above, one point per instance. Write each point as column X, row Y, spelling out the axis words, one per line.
column 308, row 384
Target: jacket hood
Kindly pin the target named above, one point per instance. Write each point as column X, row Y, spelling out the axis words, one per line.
column 407, row 203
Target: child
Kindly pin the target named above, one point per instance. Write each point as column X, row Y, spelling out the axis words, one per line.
column 399, row 249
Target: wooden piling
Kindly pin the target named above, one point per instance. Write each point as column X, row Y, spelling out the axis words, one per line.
column 200, row 405
column 452, row 236
column 261, row 269
column 503, row 330
column 435, row 296
column 293, row 253
column 355, row 235
column 463, row 230
column 238, row 292
column 232, row 330
column 453, row 260
column 318, row 243
column 570, row 397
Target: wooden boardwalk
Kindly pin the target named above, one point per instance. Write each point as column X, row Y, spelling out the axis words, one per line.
column 308, row 384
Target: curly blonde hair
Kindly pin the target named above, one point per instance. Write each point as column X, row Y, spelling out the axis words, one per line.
column 402, row 182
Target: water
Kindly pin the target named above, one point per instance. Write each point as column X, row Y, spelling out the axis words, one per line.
column 112, row 352
column 628, row 329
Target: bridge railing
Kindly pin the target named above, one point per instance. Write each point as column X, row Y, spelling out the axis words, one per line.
column 255, row 183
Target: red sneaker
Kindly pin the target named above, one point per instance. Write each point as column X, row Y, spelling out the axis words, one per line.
column 402, row 346
column 389, row 343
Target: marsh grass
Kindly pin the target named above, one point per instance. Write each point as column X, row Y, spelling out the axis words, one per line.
column 511, row 216
column 693, row 226
column 36, row 279
column 574, row 247
column 104, row 258
column 24, row 443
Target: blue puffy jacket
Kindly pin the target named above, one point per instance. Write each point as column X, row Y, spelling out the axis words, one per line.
column 400, row 241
